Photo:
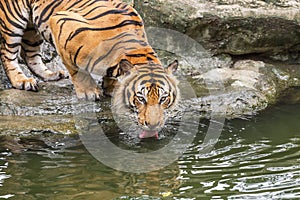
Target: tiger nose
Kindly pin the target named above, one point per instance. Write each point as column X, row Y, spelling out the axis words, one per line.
column 151, row 126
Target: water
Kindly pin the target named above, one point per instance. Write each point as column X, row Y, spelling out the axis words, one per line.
column 255, row 158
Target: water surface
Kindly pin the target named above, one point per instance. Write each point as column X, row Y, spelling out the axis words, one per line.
column 255, row 158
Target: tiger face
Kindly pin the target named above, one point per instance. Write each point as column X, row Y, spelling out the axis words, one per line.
column 148, row 91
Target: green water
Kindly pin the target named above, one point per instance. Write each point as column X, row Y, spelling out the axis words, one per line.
column 255, row 158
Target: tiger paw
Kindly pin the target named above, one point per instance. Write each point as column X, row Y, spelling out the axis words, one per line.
column 55, row 76
column 26, row 84
column 90, row 94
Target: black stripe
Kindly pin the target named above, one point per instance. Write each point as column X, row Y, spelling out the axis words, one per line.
column 37, row 54
column 60, row 29
column 92, row 10
column 81, row 6
column 72, row 5
column 66, row 19
column 13, row 45
column 88, row 64
column 122, row 24
column 149, row 58
column 8, row 32
column 152, row 80
column 120, row 36
column 109, row 12
column 11, row 52
column 44, row 33
column 132, row 14
column 11, row 59
column 113, row 48
column 153, row 76
column 136, row 55
column 26, row 3
column 10, row 9
column 35, row 44
column 66, row 42
column 19, row 12
column 118, row 5
column 104, row 56
column 76, row 54
column 123, row 7
column 9, row 19
column 34, row 10
column 51, row 40
column 50, row 7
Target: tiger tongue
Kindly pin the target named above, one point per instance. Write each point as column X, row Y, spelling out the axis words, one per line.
column 148, row 134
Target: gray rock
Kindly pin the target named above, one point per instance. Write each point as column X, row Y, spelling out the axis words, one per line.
column 248, row 87
column 233, row 27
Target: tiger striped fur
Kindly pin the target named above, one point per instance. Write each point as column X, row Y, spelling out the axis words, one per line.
column 103, row 37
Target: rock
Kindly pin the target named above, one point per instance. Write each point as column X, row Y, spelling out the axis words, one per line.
column 4, row 82
column 53, row 98
column 54, row 108
column 238, row 27
column 249, row 87
column 231, row 104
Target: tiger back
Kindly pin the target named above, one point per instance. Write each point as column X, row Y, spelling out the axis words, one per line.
column 106, row 38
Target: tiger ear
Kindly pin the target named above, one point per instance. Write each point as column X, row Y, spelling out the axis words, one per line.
column 172, row 67
column 125, row 67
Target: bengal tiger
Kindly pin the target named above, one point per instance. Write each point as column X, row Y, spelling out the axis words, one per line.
column 103, row 37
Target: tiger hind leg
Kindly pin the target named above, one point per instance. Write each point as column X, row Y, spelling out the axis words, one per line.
column 31, row 53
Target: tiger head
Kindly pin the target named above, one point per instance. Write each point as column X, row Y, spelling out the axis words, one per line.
column 148, row 91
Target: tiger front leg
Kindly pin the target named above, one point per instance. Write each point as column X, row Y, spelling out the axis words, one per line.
column 12, row 30
column 31, row 52
column 85, row 85
column 9, row 56
column 16, row 76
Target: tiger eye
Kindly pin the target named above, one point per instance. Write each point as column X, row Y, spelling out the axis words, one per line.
column 141, row 100
column 162, row 100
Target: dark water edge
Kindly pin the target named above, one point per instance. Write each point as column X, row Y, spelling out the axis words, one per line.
column 254, row 158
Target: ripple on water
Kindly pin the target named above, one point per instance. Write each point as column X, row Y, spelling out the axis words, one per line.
column 3, row 175
column 240, row 169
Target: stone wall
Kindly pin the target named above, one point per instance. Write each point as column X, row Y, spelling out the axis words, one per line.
column 235, row 27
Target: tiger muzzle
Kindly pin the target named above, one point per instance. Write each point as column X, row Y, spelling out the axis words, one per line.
column 151, row 120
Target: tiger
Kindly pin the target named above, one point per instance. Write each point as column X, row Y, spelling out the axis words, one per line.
column 103, row 37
